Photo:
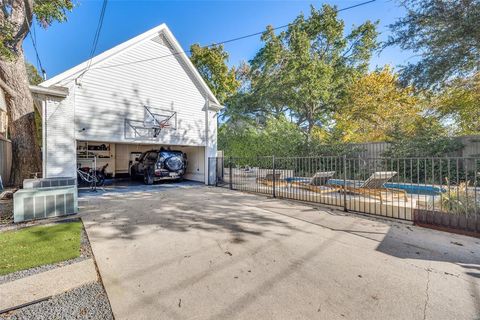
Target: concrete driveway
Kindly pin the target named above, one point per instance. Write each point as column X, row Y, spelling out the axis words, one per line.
column 195, row 252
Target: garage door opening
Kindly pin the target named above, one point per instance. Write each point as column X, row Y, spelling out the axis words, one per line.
column 120, row 158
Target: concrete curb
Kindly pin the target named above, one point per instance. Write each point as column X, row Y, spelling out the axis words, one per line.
column 43, row 285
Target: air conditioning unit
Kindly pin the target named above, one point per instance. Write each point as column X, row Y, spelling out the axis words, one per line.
column 40, row 203
column 49, row 182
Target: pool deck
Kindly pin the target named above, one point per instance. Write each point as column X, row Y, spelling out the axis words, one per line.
column 392, row 207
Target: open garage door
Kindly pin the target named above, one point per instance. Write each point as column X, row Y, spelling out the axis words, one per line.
column 120, row 157
column 126, row 154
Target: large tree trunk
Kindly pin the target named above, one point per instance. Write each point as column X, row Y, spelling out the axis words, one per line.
column 26, row 158
column 310, row 125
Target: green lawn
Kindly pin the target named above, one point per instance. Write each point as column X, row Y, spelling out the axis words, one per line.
column 35, row 246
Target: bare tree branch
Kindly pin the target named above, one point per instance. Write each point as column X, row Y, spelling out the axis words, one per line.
column 21, row 18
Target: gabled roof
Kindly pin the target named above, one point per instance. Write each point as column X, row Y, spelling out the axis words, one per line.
column 77, row 70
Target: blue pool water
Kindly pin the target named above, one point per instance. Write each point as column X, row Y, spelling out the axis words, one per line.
column 416, row 188
column 297, row 179
column 411, row 188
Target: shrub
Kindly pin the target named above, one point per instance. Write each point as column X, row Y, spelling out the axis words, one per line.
column 461, row 200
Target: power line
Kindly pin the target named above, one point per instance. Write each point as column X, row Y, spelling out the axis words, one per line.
column 219, row 43
column 283, row 26
column 99, row 28
column 33, row 37
column 96, row 36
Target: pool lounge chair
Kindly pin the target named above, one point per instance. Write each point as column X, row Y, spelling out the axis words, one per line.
column 268, row 180
column 244, row 172
column 374, row 187
column 316, row 183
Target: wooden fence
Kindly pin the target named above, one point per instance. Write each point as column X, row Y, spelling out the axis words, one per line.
column 5, row 160
column 471, row 148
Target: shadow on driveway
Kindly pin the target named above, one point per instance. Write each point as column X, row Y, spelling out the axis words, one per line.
column 187, row 250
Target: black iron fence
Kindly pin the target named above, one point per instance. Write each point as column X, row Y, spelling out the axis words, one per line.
column 441, row 192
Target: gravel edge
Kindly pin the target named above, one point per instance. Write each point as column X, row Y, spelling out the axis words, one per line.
column 89, row 301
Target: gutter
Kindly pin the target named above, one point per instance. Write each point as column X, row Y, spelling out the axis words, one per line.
column 60, row 92
column 212, row 106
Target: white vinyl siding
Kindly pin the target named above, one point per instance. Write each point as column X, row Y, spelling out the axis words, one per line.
column 108, row 96
column 117, row 89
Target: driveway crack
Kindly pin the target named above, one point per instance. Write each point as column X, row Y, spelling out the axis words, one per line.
column 427, row 297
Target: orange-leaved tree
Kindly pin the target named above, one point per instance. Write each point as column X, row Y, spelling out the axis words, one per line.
column 377, row 106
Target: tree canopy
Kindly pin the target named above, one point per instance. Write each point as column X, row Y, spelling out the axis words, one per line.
column 16, row 18
column 303, row 71
column 32, row 73
column 458, row 105
column 446, row 36
column 312, row 81
column 211, row 63
column 376, row 107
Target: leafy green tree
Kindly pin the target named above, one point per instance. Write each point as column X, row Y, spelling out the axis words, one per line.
column 32, row 74
column 446, row 35
column 416, row 153
column 244, row 139
column 430, row 139
column 244, row 104
column 211, row 63
column 280, row 137
column 16, row 18
column 377, row 106
column 304, row 71
column 458, row 105
column 266, row 78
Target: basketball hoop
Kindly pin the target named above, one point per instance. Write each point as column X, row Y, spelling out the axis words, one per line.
column 154, row 121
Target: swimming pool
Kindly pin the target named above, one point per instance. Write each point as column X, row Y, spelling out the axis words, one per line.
column 297, row 179
column 410, row 188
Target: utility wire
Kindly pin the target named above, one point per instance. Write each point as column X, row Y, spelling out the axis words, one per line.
column 33, row 37
column 99, row 28
column 219, row 43
column 283, row 26
column 96, row 36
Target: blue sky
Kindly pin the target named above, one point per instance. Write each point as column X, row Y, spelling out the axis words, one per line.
column 65, row 45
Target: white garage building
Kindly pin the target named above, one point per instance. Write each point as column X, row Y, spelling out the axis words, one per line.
column 142, row 94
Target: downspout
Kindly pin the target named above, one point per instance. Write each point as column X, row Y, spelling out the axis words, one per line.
column 72, row 100
column 75, row 129
column 207, row 105
column 44, row 138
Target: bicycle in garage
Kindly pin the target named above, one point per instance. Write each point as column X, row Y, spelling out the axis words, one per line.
column 87, row 176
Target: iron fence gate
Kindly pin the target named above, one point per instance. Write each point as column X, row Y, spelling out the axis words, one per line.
column 442, row 192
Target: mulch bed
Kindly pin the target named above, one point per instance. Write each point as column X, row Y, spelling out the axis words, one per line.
column 6, row 211
column 444, row 221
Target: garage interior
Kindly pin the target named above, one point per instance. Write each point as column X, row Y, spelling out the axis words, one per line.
column 120, row 156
